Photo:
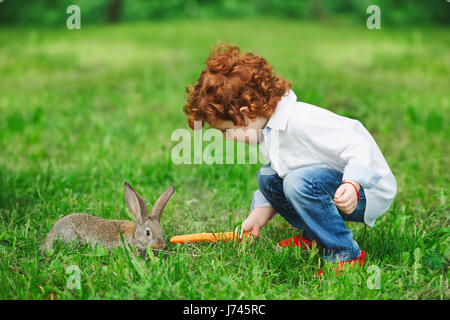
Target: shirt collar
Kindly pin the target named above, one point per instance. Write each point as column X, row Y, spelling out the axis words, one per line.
column 279, row 118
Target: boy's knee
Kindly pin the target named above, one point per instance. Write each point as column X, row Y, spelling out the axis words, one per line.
column 297, row 182
column 308, row 181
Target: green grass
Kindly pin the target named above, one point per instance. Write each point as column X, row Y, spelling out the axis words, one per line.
column 82, row 111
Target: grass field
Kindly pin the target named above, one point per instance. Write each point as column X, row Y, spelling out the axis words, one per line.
column 83, row 111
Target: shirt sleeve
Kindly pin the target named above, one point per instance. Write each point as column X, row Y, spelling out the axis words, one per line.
column 259, row 200
column 332, row 137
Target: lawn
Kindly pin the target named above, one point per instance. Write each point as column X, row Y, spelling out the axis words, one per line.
column 82, row 111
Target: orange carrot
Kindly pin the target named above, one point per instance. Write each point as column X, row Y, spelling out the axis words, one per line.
column 207, row 237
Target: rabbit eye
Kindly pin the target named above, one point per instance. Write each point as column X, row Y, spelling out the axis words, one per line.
column 148, row 232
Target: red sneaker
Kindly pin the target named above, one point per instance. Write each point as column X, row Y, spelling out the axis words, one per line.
column 296, row 241
column 341, row 264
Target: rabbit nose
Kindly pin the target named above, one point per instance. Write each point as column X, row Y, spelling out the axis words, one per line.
column 158, row 245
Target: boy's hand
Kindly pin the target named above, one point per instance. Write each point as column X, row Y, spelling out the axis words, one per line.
column 253, row 231
column 255, row 221
column 346, row 197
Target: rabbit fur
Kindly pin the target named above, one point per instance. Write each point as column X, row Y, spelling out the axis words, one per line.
column 145, row 231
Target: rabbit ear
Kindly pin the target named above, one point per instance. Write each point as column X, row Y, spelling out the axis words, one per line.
column 135, row 204
column 161, row 202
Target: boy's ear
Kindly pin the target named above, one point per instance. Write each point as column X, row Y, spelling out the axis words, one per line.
column 243, row 110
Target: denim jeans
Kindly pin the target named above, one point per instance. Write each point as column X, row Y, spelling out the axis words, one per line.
column 305, row 199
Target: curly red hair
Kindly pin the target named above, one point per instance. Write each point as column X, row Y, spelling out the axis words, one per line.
column 230, row 81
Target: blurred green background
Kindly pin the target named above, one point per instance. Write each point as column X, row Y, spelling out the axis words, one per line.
column 48, row 12
column 83, row 110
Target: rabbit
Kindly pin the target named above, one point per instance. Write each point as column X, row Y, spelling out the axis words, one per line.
column 88, row 229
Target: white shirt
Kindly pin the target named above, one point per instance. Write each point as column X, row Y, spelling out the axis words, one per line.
column 300, row 134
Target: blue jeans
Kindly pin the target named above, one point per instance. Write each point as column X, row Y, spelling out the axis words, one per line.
column 305, row 199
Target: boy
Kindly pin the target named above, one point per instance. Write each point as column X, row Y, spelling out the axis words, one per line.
column 323, row 169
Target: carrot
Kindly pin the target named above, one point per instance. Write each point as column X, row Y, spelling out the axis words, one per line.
column 207, row 237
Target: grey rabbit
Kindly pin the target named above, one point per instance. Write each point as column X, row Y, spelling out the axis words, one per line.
column 88, row 229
